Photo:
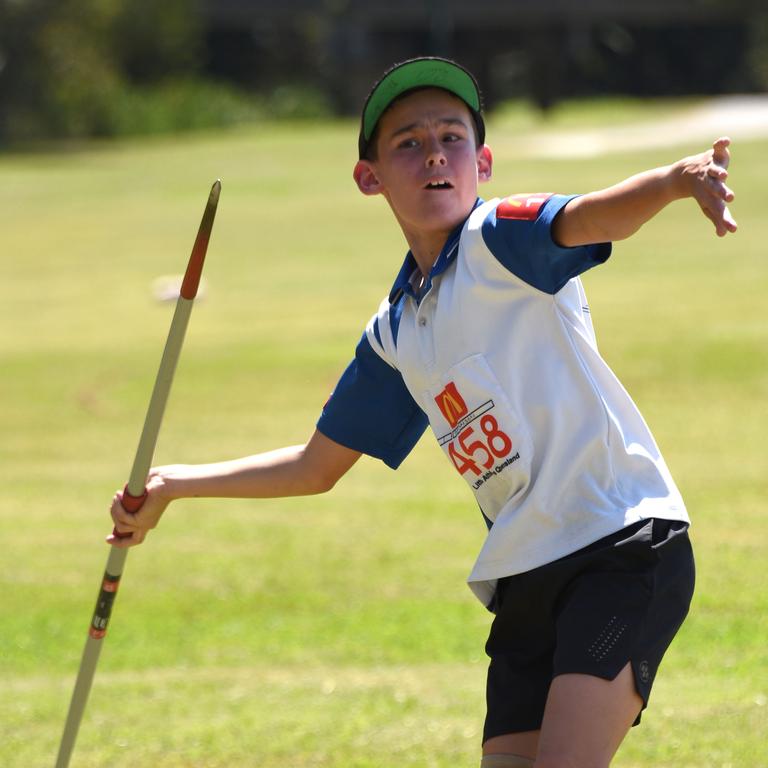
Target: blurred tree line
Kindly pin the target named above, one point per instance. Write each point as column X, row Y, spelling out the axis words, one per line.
column 99, row 68
column 83, row 68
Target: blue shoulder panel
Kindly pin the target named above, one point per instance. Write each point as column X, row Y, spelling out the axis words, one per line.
column 395, row 313
column 524, row 245
column 371, row 410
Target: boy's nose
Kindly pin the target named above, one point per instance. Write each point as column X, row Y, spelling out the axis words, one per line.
column 435, row 157
column 435, row 154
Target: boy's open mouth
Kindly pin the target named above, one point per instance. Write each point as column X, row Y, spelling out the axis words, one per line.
column 438, row 184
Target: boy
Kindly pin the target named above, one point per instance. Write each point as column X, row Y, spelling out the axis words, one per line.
column 486, row 337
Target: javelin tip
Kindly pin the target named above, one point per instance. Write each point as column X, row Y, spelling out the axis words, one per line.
column 213, row 198
column 195, row 266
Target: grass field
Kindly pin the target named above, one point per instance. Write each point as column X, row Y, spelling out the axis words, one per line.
column 334, row 631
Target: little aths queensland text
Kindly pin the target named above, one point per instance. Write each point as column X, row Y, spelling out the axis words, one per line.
column 496, row 470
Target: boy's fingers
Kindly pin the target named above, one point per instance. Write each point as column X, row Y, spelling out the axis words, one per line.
column 720, row 154
column 717, row 172
column 119, row 513
column 721, row 190
column 127, row 541
column 715, row 217
column 125, row 523
column 721, row 217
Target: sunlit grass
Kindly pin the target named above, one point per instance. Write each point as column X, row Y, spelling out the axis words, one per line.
column 336, row 630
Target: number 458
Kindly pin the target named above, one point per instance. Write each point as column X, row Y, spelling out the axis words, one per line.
column 497, row 445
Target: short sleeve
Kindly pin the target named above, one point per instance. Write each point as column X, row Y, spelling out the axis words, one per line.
column 372, row 411
column 519, row 234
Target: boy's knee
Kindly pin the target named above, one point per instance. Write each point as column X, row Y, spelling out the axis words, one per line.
column 559, row 760
column 505, row 761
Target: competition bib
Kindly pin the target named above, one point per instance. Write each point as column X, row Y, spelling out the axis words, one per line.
column 485, row 441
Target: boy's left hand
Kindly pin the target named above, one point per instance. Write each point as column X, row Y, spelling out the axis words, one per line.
column 704, row 177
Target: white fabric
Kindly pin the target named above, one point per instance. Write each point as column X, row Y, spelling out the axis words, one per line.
column 564, row 456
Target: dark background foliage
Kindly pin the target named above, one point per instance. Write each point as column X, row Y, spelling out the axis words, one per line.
column 99, row 68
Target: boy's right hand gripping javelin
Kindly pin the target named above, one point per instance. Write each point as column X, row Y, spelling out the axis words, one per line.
column 138, row 524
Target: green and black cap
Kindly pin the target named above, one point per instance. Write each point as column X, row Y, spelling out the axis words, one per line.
column 422, row 72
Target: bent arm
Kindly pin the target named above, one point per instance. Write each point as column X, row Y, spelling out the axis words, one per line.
column 619, row 211
column 298, row 470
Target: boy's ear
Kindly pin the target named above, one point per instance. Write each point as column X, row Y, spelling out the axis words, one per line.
column 366, row 179
column 484, row 163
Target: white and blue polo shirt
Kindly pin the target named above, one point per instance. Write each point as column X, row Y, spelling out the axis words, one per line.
column 497, row 353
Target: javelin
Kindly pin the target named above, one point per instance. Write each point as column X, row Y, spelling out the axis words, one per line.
column 135, row 489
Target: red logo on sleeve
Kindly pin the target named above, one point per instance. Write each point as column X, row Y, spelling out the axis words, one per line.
column 451, row 404
column 524, row 207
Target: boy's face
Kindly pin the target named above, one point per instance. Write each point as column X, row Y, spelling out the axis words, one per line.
column 427, row 164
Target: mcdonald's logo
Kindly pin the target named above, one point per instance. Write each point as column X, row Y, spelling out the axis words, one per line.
column 451, row 404
column 523, row 207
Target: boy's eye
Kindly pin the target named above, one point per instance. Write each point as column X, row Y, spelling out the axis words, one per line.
column 413, row 142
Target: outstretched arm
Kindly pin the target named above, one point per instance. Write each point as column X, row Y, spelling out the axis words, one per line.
column 619, row 211
column 299, row 470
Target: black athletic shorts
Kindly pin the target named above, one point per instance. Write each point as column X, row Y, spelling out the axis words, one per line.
column 621, row 599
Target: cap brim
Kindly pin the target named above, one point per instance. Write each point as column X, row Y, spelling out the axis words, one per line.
column 419, row 73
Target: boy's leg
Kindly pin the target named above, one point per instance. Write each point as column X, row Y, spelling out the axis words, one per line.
column 505, row 761
column 524, row 744
column 586, row 719
column 624, row 599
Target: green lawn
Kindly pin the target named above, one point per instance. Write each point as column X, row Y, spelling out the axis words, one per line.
column 334, row 631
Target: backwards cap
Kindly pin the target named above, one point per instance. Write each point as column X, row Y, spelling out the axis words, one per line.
column 422, row 72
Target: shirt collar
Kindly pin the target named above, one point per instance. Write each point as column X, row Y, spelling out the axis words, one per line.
column 402, row 284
